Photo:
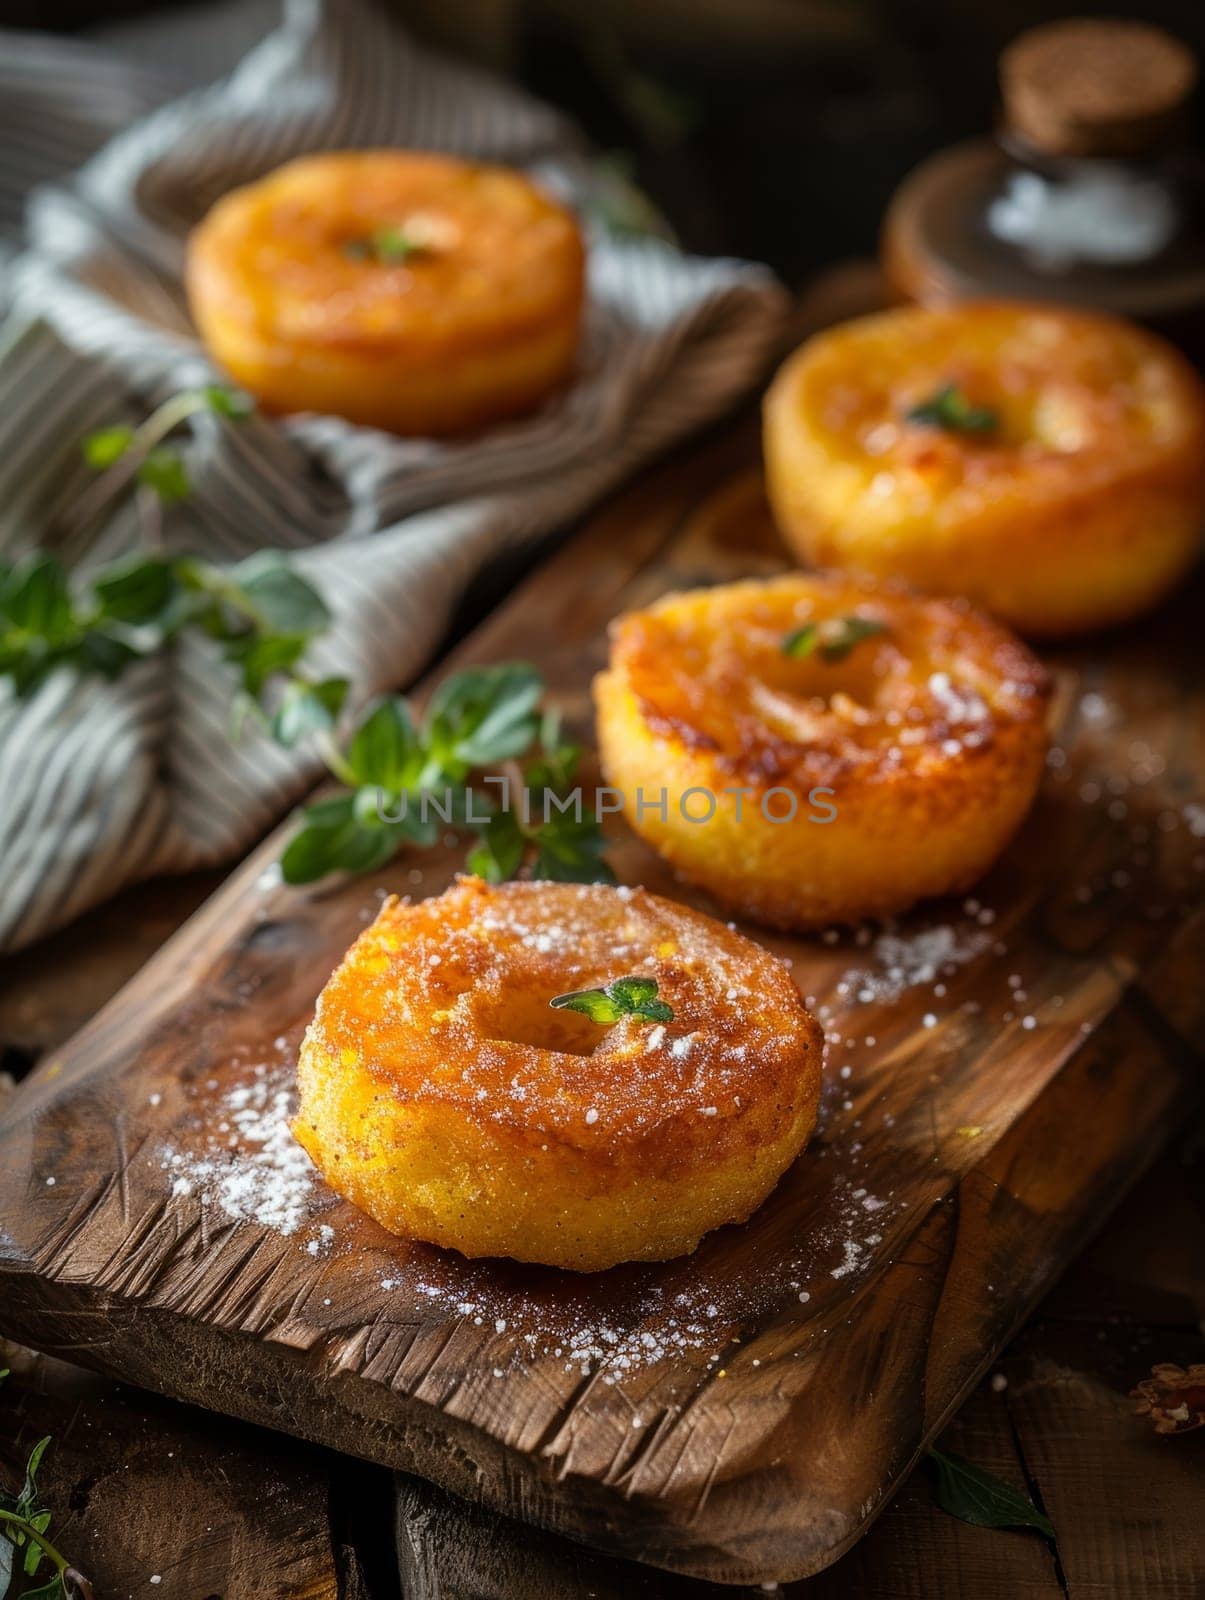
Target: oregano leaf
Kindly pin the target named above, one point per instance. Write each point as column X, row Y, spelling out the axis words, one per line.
column 980, row 1498
column 164, row 472
column 136, row 589
column 382, row 749
column 625, row 997
column 313, row 851
column 285, row 601
column 107, row 445
column 950, row 409
column 597, row 1004
column 832, row 639
column 307, row 708
column 498, row 854
column 227, row 402
column 36, row 597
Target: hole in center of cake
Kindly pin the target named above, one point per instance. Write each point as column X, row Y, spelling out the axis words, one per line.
column 530, row 1020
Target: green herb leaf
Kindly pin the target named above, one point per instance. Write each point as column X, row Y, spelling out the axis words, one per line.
column 950, row 409
column 332, row 812
column 136, row 589
column 655, row 1011
column 367, row 849
column 569, row 851
column 633, row 993
column 259, row 655
column 476, row 718
column 333, row 840
column 26, row 668
column 227, row 402
column 372, row 806
column 29, row 1490
column 313, row 850
column 832, row 639
column 415, row 826
column 35, row 597
column 281, row 596
column 389, row 246
column 483, row 715
column 555, row 767
column 164, row 472
column 52, row 1589
column 393, row 246
column 406, row 812
column 597, row 1004
column 107, row 445
column 102, row 653
column 383, row 750
column 498, row 854
column 801, row 641
column 307, row 708
column 39, row 1521
column 626, row 997
column 977, row 1497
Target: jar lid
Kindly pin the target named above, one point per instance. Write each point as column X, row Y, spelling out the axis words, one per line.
column 1095, row 87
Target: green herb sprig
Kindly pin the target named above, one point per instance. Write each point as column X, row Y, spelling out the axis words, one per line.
column 980, row 1498
column 391, row 247
column 406, row 782
column 262, row 612
column 24, row 1545
column 832, row 640
column 626, row 997
column 141, row 451
column 264, row 615
column 950, row 409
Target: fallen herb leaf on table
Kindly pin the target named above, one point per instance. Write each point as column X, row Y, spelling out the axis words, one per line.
column 980, row 1498
column 24, row 1545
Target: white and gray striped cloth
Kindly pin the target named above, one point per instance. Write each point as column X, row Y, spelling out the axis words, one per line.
column 103, row 784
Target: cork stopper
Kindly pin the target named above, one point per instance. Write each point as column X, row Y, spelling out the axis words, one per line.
column 1095, row 87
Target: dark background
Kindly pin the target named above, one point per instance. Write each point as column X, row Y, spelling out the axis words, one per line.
column 775, row 129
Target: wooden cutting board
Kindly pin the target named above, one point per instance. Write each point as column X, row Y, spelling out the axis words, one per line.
column 999, row 1070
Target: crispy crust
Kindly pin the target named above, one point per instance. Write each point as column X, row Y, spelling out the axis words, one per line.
column 1081, row 509
column 481, row 324
column 442, row 1095
column 929, row 740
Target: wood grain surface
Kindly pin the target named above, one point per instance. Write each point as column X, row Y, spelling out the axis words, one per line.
column 700, row 1415
column 156, row 1501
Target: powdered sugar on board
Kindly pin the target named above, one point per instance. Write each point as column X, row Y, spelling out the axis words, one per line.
column 910, row 960
column 251, row 1169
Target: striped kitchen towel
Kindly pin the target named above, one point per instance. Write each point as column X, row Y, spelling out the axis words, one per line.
column 102, row 784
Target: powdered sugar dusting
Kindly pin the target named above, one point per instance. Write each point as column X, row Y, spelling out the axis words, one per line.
column 910, row 960
column 252, row 1168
